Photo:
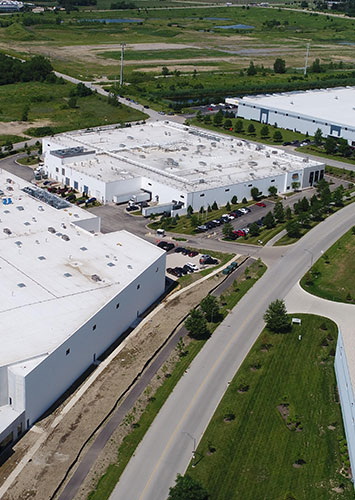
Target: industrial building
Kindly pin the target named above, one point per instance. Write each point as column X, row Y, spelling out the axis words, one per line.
column 67, row 293
column 10, row 6
column 173, row 163
column 331, row 110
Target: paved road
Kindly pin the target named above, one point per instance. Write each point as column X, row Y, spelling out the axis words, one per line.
column 11, row 166
column 167, row 447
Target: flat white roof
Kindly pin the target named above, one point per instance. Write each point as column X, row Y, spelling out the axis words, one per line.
column 334, row 105
column 54, row 275
column 187, row 158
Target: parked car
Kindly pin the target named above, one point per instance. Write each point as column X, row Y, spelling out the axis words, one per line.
column 187, row 269
column 132, row 208
column 260, row 204
column 166, row 246
column 201, row 229
column 286, row 143
column 211, row 260
column 193, row 253
column 192, row 266
column 179, row 249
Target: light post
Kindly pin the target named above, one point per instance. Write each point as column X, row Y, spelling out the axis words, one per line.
column 311, row 254
column 122, row 54
column 194, row 448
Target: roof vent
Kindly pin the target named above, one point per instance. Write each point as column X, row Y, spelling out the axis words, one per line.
column 65, row 237
column 67, row 275
column 51, row 230
column 21, row 285
column 96, row 278
column 83, row 249
column 7, row 230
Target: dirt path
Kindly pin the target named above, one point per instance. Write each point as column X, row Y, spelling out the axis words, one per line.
column 18, row 128
column 40, row 477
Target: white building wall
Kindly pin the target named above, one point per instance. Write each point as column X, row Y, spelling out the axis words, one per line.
column 49, row 380
column 292, row 120
column 164, row 192
column 16, row 390
column 223, row 194
column 346, row 395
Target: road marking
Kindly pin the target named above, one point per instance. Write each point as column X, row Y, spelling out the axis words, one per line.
column 178, row 426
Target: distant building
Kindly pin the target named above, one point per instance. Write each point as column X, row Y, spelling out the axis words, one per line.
column 173, row 163
column 331, row 110
column 67, row 293
column 10, row 6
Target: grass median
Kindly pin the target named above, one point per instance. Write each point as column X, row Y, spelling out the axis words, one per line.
column 332, row 276
column 278, row 431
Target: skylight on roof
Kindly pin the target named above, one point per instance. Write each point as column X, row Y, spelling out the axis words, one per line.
column 83, row 249
column 111, row 264
column 21, row 285
column 67, row 275
column 41, row 257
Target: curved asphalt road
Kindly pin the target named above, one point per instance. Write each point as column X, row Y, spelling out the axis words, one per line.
column 167, row 446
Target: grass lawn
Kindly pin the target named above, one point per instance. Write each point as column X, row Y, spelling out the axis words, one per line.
column 161, row 55
column 287, row 135
column 28, row 160
column 49, row 103
column 108, row 481
column 4, row 139
column 319, row 151
column 332, row 276
column 249, row 450
column 342, row 173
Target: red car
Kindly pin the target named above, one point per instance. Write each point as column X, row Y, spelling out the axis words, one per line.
column 260, row 204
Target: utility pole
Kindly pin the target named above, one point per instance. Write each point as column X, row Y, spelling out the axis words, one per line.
column 306, row 61
column 122, row 54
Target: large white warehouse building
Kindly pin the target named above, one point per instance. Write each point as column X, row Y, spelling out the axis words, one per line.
column 331, row 110
column 171, row 162
column 67, row 293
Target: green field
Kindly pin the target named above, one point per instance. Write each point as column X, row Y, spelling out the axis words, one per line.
column 332, row 276
column 9, row 138
column 318, row 151
column 250, row 451
column 49, row 103
column 162, row 55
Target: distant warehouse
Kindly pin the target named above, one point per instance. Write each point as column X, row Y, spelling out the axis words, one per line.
column 173, row 164
column 10, row 6
column 331, row 110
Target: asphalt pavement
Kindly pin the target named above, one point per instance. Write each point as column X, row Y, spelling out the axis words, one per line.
column 167, row 446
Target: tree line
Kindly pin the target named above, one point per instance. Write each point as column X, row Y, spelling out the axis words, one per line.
column 38, row 68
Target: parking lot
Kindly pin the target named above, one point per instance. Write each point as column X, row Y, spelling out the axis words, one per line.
column 182, row 263
column 255, row 213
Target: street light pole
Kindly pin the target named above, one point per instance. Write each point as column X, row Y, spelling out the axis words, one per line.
column 122, row 54
column 194, row 449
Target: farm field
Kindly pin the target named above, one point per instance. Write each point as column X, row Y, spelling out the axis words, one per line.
column 332, row 276
column 278, row 433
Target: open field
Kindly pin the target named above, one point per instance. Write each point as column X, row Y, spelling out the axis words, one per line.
column 48, row 106
column 6, row 139
column 278, row 432
column 71, row 44
column 332, row 276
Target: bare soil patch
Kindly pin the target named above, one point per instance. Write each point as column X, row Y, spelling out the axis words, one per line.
column 18, row 128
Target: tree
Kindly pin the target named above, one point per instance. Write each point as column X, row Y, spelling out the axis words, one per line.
column 277, row 136
column 187, row 488
column 251, row 129
column 25, row 112
column 293, row 229
column 295, row 185
column 255, row 193
column 210, row 307
column 279, row 213
column 194, row 221
column 344, row 149
column 288, row 213
column 164, row 71
column 269, row 220
column 207, row 119
column 228, row 207
column 272, row 190
column 326, row 196
column 227, row 124
column 244, row 200
column 218, row 119
column 251, row 71
column 196, row 324
column 303, row 218
column 264, row 132
column 304, row 204
column 330, row 145
column 338, row 196
column 276, row 318
column 234, row 200
column 199, row 116
column 279, row 65
column 318, row 137
column 316, row 67
column 227, row 230
column 190, row 211
column 254, row 229
column 214, row 206
column 238, row 127
column 72, row 102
